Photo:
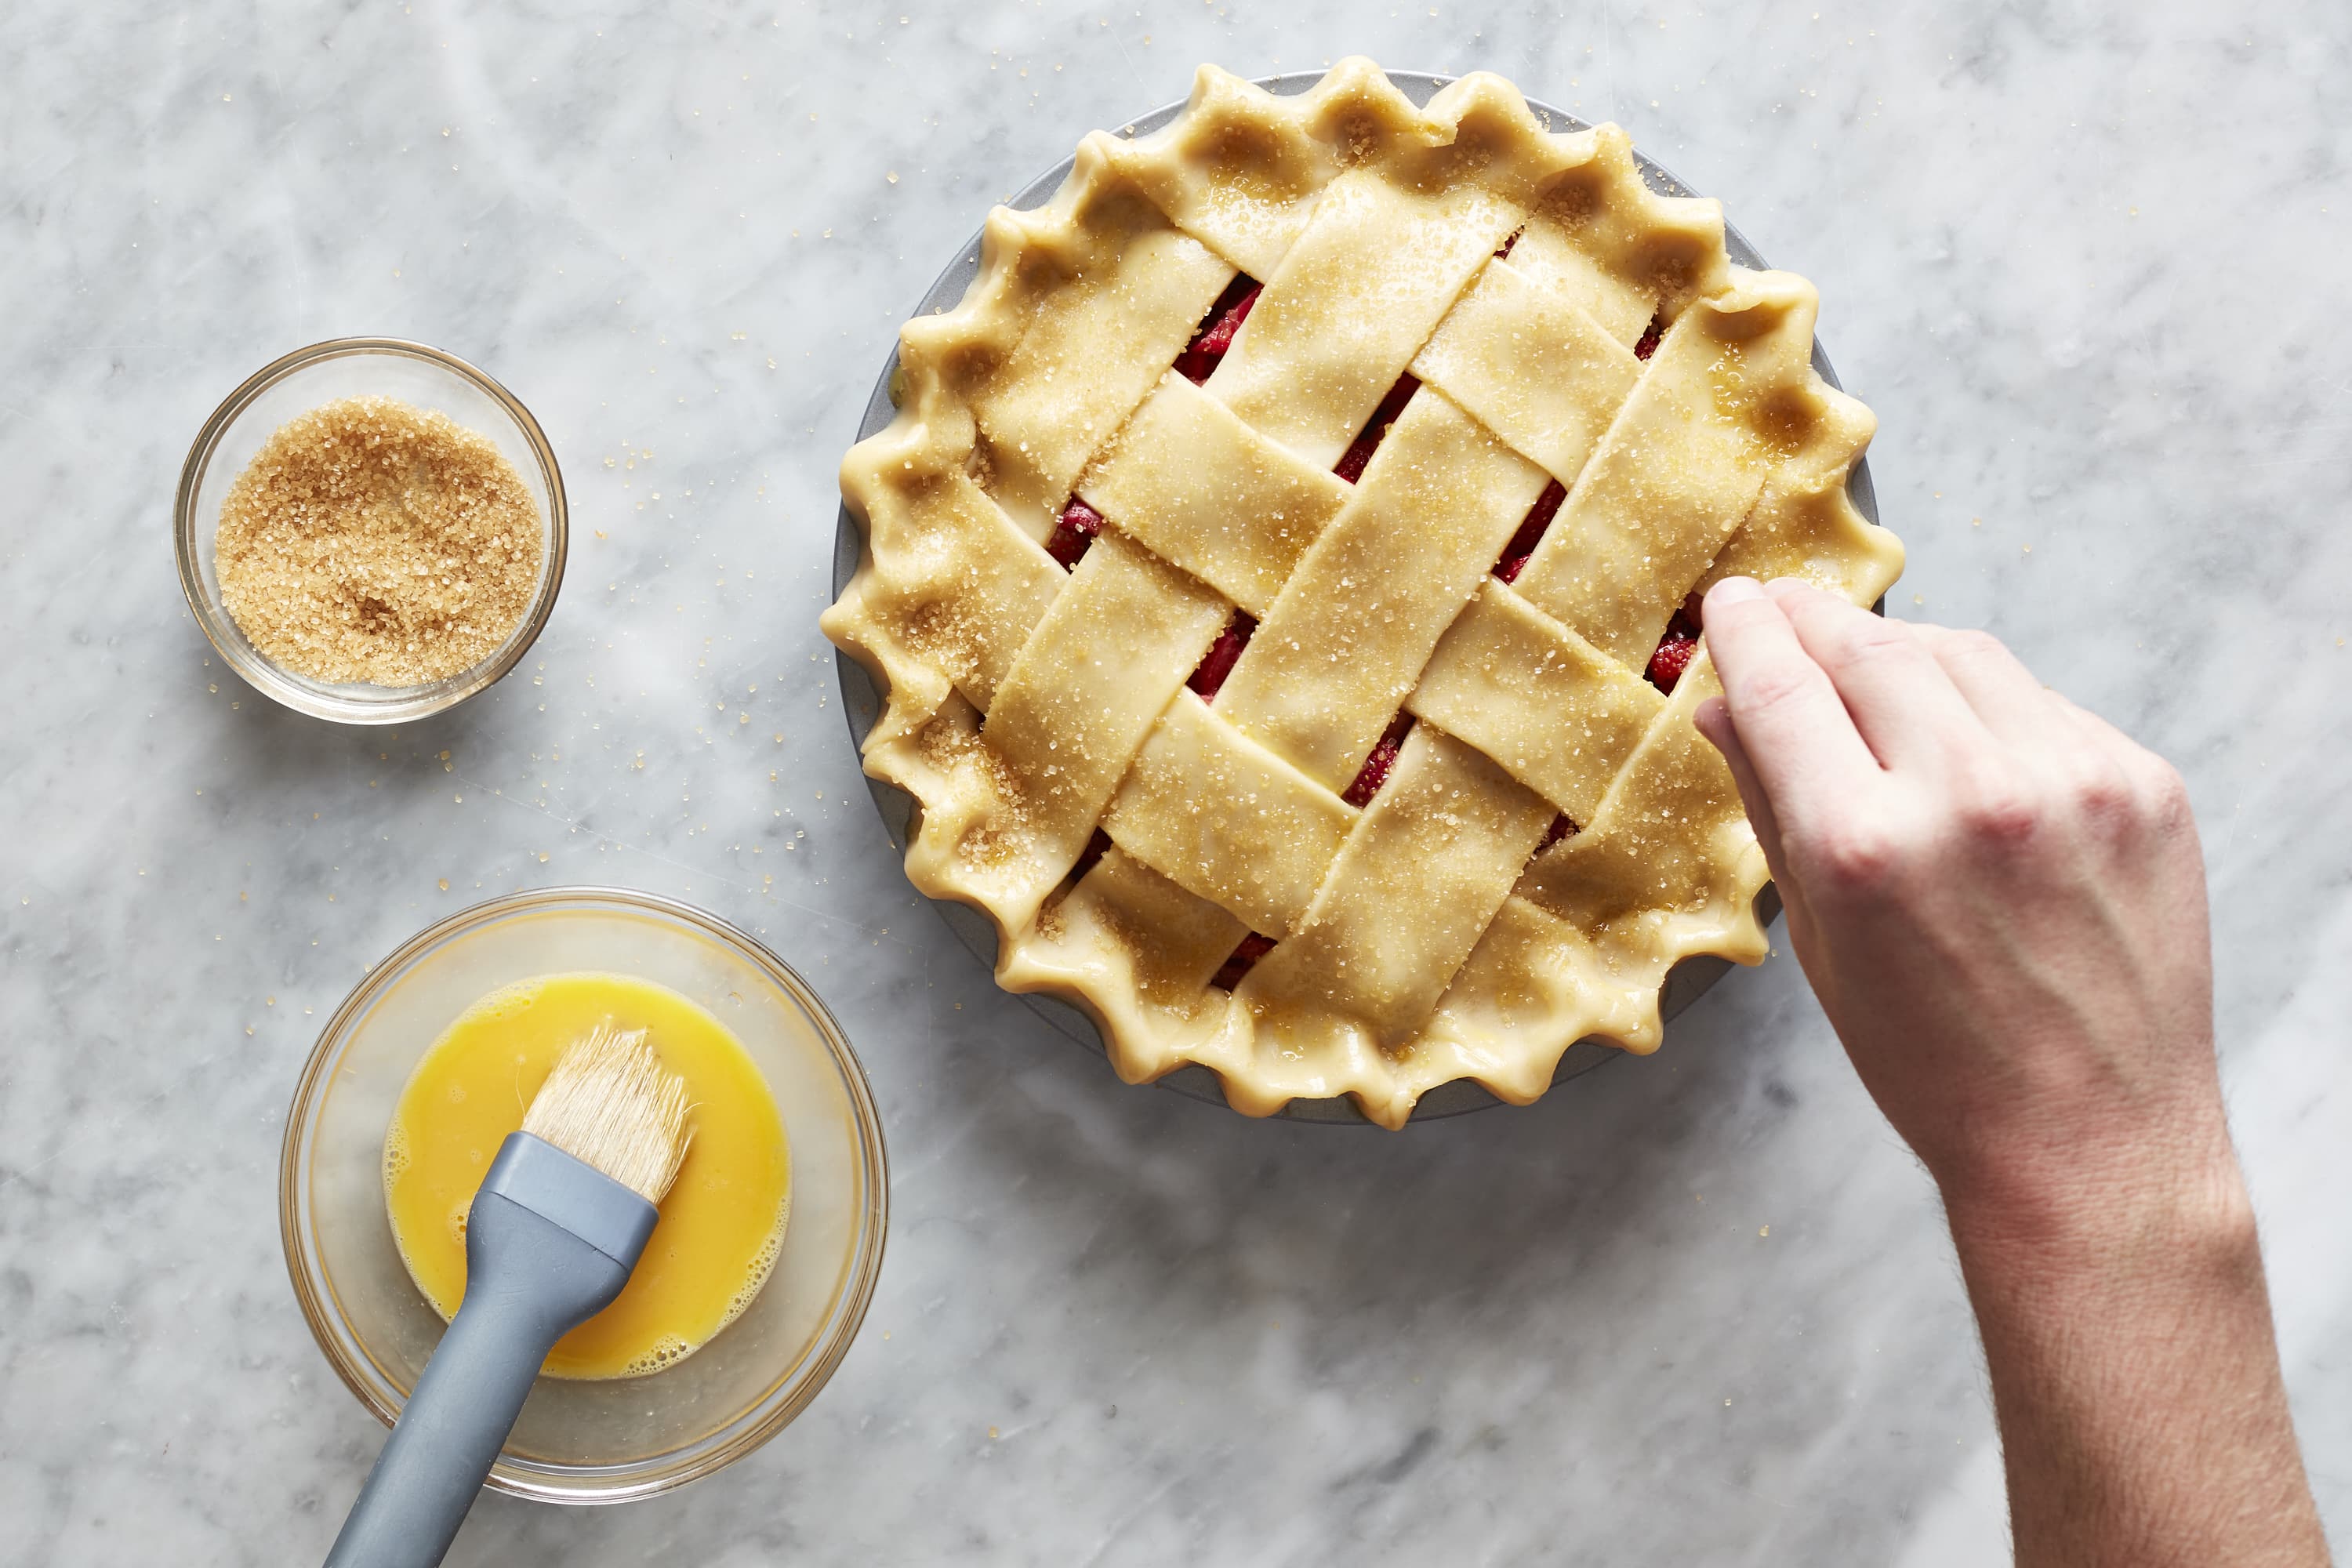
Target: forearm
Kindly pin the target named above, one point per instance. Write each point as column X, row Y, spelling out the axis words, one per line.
column 2134, row 1375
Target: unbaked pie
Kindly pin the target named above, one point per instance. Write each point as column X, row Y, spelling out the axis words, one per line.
column 1279, row 572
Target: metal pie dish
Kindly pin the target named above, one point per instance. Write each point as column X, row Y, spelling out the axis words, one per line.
column 861, row 699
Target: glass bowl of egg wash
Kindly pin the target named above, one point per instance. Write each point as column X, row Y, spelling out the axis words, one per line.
column 370, row 531
column 759, row 1271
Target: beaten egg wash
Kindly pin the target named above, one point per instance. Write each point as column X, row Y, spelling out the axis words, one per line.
column 720, row 1226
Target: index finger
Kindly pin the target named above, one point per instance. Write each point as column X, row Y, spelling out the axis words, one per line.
column 1801, row 742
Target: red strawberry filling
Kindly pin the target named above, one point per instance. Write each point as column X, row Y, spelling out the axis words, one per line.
column 1523, row 543
column 1351, row 463
column 1216, row 334
column 1675, row 649
column 1096, row 847
column 1561, row 828
column 1079, row 524
column 1244, row 959
column 1650, row 336
column 1375, row 771
column 1218, row 663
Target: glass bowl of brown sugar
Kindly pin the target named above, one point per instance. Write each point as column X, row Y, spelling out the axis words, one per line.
column 370, row 531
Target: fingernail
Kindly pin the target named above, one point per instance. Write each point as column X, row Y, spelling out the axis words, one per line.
column 1735, row 591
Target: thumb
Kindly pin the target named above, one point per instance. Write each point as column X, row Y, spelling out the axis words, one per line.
column 1714, row 722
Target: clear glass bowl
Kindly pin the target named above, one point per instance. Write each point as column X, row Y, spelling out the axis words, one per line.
column 352, row 367
column 583, row 1442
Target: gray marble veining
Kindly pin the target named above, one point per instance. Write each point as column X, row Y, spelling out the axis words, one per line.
column 1696, row 1308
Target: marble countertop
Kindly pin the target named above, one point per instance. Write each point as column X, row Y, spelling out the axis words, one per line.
column 1696, row 1308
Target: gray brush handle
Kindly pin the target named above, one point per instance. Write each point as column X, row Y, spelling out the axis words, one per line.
column 528, row 1280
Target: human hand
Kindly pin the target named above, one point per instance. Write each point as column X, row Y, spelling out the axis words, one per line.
column 2000, row 901
column 1998, row 897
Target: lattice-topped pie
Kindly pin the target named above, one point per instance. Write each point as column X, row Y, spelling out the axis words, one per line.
column 1278, row 569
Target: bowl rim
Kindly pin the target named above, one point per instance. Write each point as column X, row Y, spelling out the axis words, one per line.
column 635, row 1480
column 407, row 703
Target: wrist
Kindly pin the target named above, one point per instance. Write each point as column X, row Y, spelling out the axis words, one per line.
column 2117, row 1215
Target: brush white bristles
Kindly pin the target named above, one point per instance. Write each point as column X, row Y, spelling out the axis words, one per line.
column 610, row 1103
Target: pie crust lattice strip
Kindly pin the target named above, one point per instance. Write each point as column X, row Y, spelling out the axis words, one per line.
column 1276, row 572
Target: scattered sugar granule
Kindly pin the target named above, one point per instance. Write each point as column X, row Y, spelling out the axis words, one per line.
column 370, row 541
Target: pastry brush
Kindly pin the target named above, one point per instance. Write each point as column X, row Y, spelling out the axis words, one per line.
column 551, row 1239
